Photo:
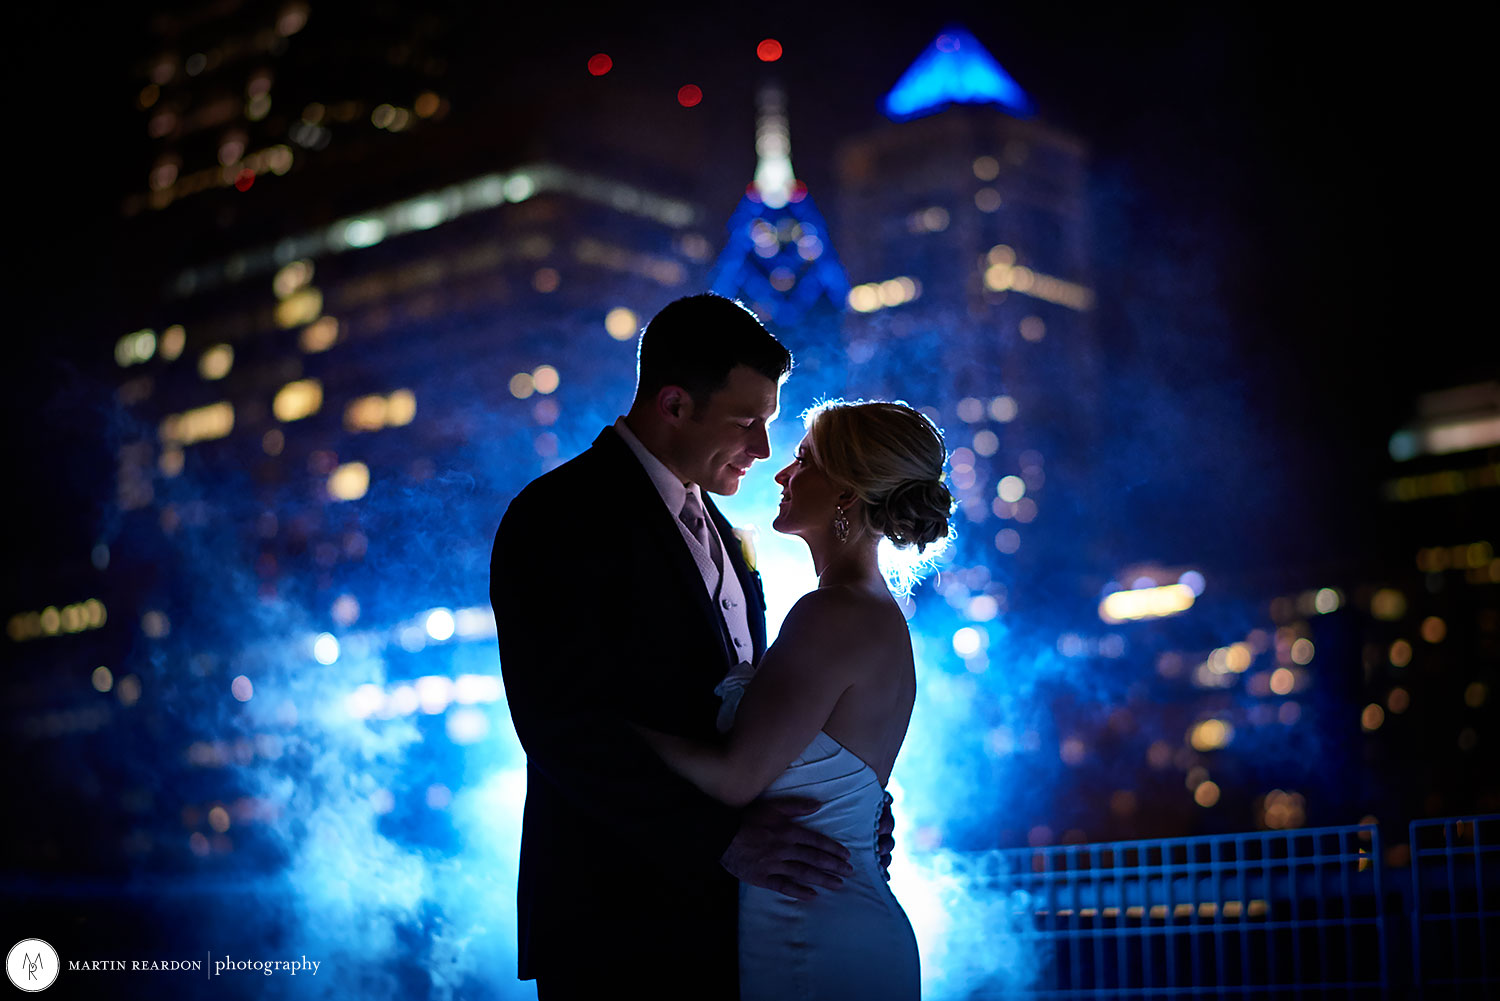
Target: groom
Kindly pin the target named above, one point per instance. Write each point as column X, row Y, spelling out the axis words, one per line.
column 622, row 596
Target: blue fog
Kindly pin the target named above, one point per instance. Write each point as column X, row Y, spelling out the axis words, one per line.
column 374, row 783
column 382, row 790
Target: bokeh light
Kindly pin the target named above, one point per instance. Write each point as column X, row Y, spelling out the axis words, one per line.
column 621, row 323
column 325, row 648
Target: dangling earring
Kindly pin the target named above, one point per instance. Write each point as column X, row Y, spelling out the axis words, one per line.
column 840, row 524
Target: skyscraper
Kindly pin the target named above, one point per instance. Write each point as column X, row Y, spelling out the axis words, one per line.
column 964, row 224
column 367, row 300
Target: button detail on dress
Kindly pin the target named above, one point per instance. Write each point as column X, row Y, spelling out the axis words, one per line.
column 738, row 641
column 727, row 603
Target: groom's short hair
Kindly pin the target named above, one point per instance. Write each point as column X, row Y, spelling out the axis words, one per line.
column 695, row 341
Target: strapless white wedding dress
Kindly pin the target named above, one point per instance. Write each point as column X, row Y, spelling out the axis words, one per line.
column 851, row 943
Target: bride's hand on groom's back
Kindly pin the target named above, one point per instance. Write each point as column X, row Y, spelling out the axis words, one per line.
column 771, row 851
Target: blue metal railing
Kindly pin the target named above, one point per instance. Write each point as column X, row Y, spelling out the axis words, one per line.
column 1451, row 861
column 1265, row 914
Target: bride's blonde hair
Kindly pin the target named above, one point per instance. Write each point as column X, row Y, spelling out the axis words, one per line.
column 891, row 457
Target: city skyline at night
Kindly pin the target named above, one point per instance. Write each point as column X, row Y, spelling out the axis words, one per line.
column 317, row 291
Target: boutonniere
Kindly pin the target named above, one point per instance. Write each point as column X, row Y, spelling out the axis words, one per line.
column 746, row 537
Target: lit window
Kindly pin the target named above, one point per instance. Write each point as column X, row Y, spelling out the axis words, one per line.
column 371, row 413
column 349, row 481
column 291, row 277
column 173, row 339
column 360, row 233
column 216, row 362
column 302, row 306
column 1388, row 604
column 1146, row 603
column 365, row 414
column 199, row 424
column 297, row 400
column 621, row 323
column 135, row 348
column 1004, row 409
column 401, row 408
column 864, row 299
column 320, row 335
column 1210, row 735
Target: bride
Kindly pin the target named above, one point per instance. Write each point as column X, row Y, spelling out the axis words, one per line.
column 830, row 703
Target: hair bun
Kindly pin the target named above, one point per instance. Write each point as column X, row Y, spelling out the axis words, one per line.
column 914, row 513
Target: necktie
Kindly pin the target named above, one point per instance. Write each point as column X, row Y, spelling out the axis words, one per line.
column 692, row 516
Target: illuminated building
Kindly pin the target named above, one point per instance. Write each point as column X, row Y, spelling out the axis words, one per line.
column 779, row 257
column 1429, row 604
column 364, row 305
column 964, row 226
column 340, row 308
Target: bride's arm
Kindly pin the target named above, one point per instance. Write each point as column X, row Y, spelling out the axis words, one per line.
column 796, row 687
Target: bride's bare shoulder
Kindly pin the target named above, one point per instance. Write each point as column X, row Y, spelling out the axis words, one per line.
column 845, row 615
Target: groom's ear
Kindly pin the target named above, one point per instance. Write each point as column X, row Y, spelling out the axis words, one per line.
column 674, row 404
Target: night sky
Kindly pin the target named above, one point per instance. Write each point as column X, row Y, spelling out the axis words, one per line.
column 1279, row 198
column 1292, row 226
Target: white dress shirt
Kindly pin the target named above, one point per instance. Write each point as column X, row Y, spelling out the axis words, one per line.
column 723, row 588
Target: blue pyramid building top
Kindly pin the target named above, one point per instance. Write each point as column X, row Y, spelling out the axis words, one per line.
column 778, row 257
column 954, row 69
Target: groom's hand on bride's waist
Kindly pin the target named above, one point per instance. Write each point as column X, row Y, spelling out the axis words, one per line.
column 771, row 850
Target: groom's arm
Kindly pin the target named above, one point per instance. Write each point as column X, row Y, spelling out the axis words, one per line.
column 559, row 656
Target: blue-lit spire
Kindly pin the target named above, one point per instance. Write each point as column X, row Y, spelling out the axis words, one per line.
column 778, row 258
column 954, row 69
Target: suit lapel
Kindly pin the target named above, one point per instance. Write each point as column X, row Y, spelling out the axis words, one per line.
column 640, row 501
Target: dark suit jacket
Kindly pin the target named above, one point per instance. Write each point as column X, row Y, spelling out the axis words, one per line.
column 603, row 620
